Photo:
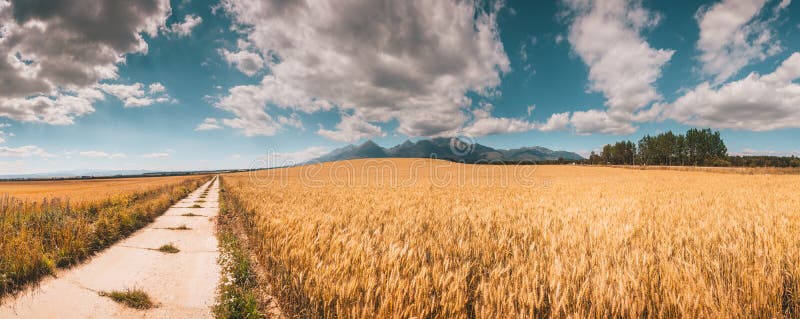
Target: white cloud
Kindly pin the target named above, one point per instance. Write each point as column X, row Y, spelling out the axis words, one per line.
column 622, row 65
column 208, row 125
column 556, row 122
column 757, row 103
column 413, row 62
column 607, row 35
column 734, row 33
column 58, row 54
column 594, row 121
column 531, row 108
column 156, row 87
column 485, row 124
column 248, row 63
column 291, row 120
column 246, row 103
column 351, row 128
column 156, row 155
column 100, row 154
column 134, row 95
column 182, row 29
column 24, row 151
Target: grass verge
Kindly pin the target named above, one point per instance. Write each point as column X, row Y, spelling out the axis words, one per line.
column 238, row 295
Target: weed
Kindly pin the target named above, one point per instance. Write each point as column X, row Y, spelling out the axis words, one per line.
column 168, row 249
column 134, row 298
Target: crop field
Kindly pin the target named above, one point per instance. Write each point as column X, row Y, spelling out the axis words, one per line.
column 83, row 189
column 52, row 224
column 434, row 239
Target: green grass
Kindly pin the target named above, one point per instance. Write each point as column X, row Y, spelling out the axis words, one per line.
column 237, row 297
column 134, row 298
column 196, row 206
column 192, row 215
column 168, row 249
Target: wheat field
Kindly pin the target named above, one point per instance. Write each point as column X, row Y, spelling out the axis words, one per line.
column 436, row 239
column 81, row 190
column 45, row 225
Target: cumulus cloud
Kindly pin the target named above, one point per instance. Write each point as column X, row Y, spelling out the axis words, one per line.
column 484, row 123
column 607, row 35
column 134, row 95
column 53, row 52
column 352, row 128
column 247, row 62
column 556, row 122
column 208, row 125
column 182, row 29
column 409, row 61
column 246, row 103
column 24, row 151
column 594, row 121
column 734, row 33
column 59, row 109
column 156, row 87
column 757, row 103
column 101, row 154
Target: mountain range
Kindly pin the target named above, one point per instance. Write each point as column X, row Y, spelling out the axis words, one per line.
column 446, row 148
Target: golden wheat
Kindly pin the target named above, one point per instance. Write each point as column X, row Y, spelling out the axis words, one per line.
column 344, row 240
column 59, row 223
column 81, row 190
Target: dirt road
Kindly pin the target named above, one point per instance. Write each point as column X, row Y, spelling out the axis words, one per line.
column 183, row 284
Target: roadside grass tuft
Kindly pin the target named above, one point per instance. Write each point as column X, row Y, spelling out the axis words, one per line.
column 134, row 298
column 181, row 227
column 168, row 249
column 192, row 215
column 196, row 206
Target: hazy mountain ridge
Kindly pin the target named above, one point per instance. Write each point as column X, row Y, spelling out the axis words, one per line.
column 441, row 148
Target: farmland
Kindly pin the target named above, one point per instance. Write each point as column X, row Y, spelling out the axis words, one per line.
column 48, row 225
column 433, row 239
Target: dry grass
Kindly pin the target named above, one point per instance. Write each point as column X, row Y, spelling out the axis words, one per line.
column 169, row 249
column 134, row 298
column 71, row 223
column 581, row 242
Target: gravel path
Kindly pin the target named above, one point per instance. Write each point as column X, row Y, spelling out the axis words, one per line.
column 182, row 284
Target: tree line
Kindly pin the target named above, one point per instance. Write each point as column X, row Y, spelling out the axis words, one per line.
column 698, row 147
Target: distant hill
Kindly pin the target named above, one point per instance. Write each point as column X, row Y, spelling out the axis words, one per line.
column 446, row 148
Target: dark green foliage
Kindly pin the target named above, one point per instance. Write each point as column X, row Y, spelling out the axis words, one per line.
column 697, row 147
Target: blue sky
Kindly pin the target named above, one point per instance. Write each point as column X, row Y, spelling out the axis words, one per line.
column 205, row 85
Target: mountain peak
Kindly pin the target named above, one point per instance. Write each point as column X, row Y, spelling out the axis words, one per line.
column 368, row 143
column 441, row 148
